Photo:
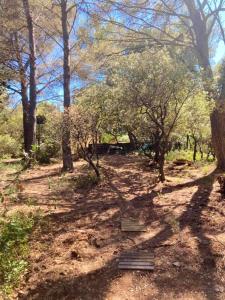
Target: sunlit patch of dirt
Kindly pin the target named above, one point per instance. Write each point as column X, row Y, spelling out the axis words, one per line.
column 75, row 252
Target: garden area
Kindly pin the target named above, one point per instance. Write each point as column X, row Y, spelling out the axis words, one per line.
column 112, row 150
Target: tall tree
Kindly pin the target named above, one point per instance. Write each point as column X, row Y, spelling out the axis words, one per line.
column 67, row 155
column 29, row 111
column 188, row 24
column 24, row 50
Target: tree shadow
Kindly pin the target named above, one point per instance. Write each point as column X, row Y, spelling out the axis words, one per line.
column 95, row 284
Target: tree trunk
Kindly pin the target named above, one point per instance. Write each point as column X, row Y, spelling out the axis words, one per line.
column 29, row 111
column 95, row 168
column 218, row 136
column 201, row 152
column 23, row 93
column 66, row 143
column 157, row 152
column 195, row 148
column 133, row 139
column 187, row 142
column 202, row 50
column 161, row 167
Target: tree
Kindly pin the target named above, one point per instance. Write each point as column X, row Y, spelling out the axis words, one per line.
column 196, row 122
column 66, row 147
column 29, row 109
column 24, row 64
column 188, row 24
column 158, row 86
column 84, row 131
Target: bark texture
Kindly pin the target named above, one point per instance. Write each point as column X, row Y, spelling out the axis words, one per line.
column 201, row 35
column 66, row 143
column 29, row 107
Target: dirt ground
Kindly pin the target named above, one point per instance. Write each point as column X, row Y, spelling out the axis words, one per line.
column 75, row 254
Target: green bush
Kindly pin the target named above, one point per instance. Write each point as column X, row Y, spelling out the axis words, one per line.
column 86, row 181
column 14, row 234
column 8, row 146
column 182, row 154
column 45, row 151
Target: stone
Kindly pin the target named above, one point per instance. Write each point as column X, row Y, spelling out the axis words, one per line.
column 177, row 264
column 219, row 289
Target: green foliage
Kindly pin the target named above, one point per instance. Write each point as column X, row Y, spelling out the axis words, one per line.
column 9, row 146
column 14, row 234
column 11, row 129
column 182, row 154
column 86, row 181
column 109, row 138
column 11, row 167
column 44, row 152
column 50, row 131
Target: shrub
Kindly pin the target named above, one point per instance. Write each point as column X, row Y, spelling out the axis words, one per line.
column 14, row 235
column 9, row 146
column 45, row 151
column 182, row 154
column 86, row 181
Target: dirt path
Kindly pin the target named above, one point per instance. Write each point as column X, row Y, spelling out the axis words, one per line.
column 75, row 256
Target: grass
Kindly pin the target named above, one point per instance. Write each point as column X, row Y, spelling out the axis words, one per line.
column 14, row 236
column 184, row 154
column 10, row 167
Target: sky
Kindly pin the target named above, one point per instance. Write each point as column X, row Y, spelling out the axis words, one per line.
column 220, row 53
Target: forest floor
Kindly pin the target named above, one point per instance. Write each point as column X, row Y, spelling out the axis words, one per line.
column 75, row 254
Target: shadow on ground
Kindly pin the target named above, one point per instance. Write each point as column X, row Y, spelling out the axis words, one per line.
column 123, row 193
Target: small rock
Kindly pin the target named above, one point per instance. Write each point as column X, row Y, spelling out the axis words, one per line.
column 177, row 264
column 219, row 289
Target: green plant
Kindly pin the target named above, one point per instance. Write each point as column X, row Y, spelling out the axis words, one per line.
column 30, row 201
column 86, row 181
column 182, row 154
column 13, row 167
column 42, row 153
column 14, row 234
column 9, row 146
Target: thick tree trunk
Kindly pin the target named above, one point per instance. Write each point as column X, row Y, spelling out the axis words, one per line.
column 29, row 110
column 202, row 49
column 218, row 136
column 28, row 127
column 66, row 143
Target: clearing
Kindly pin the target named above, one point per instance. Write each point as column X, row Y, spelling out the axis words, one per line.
column 75, row 254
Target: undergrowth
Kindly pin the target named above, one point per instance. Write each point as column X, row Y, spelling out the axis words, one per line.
column 188, row 155
column 182, row 154
column 13, row 167
column 14, row 235
column 86, row 181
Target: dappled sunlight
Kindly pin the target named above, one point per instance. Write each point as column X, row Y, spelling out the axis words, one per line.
column 82, row 235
